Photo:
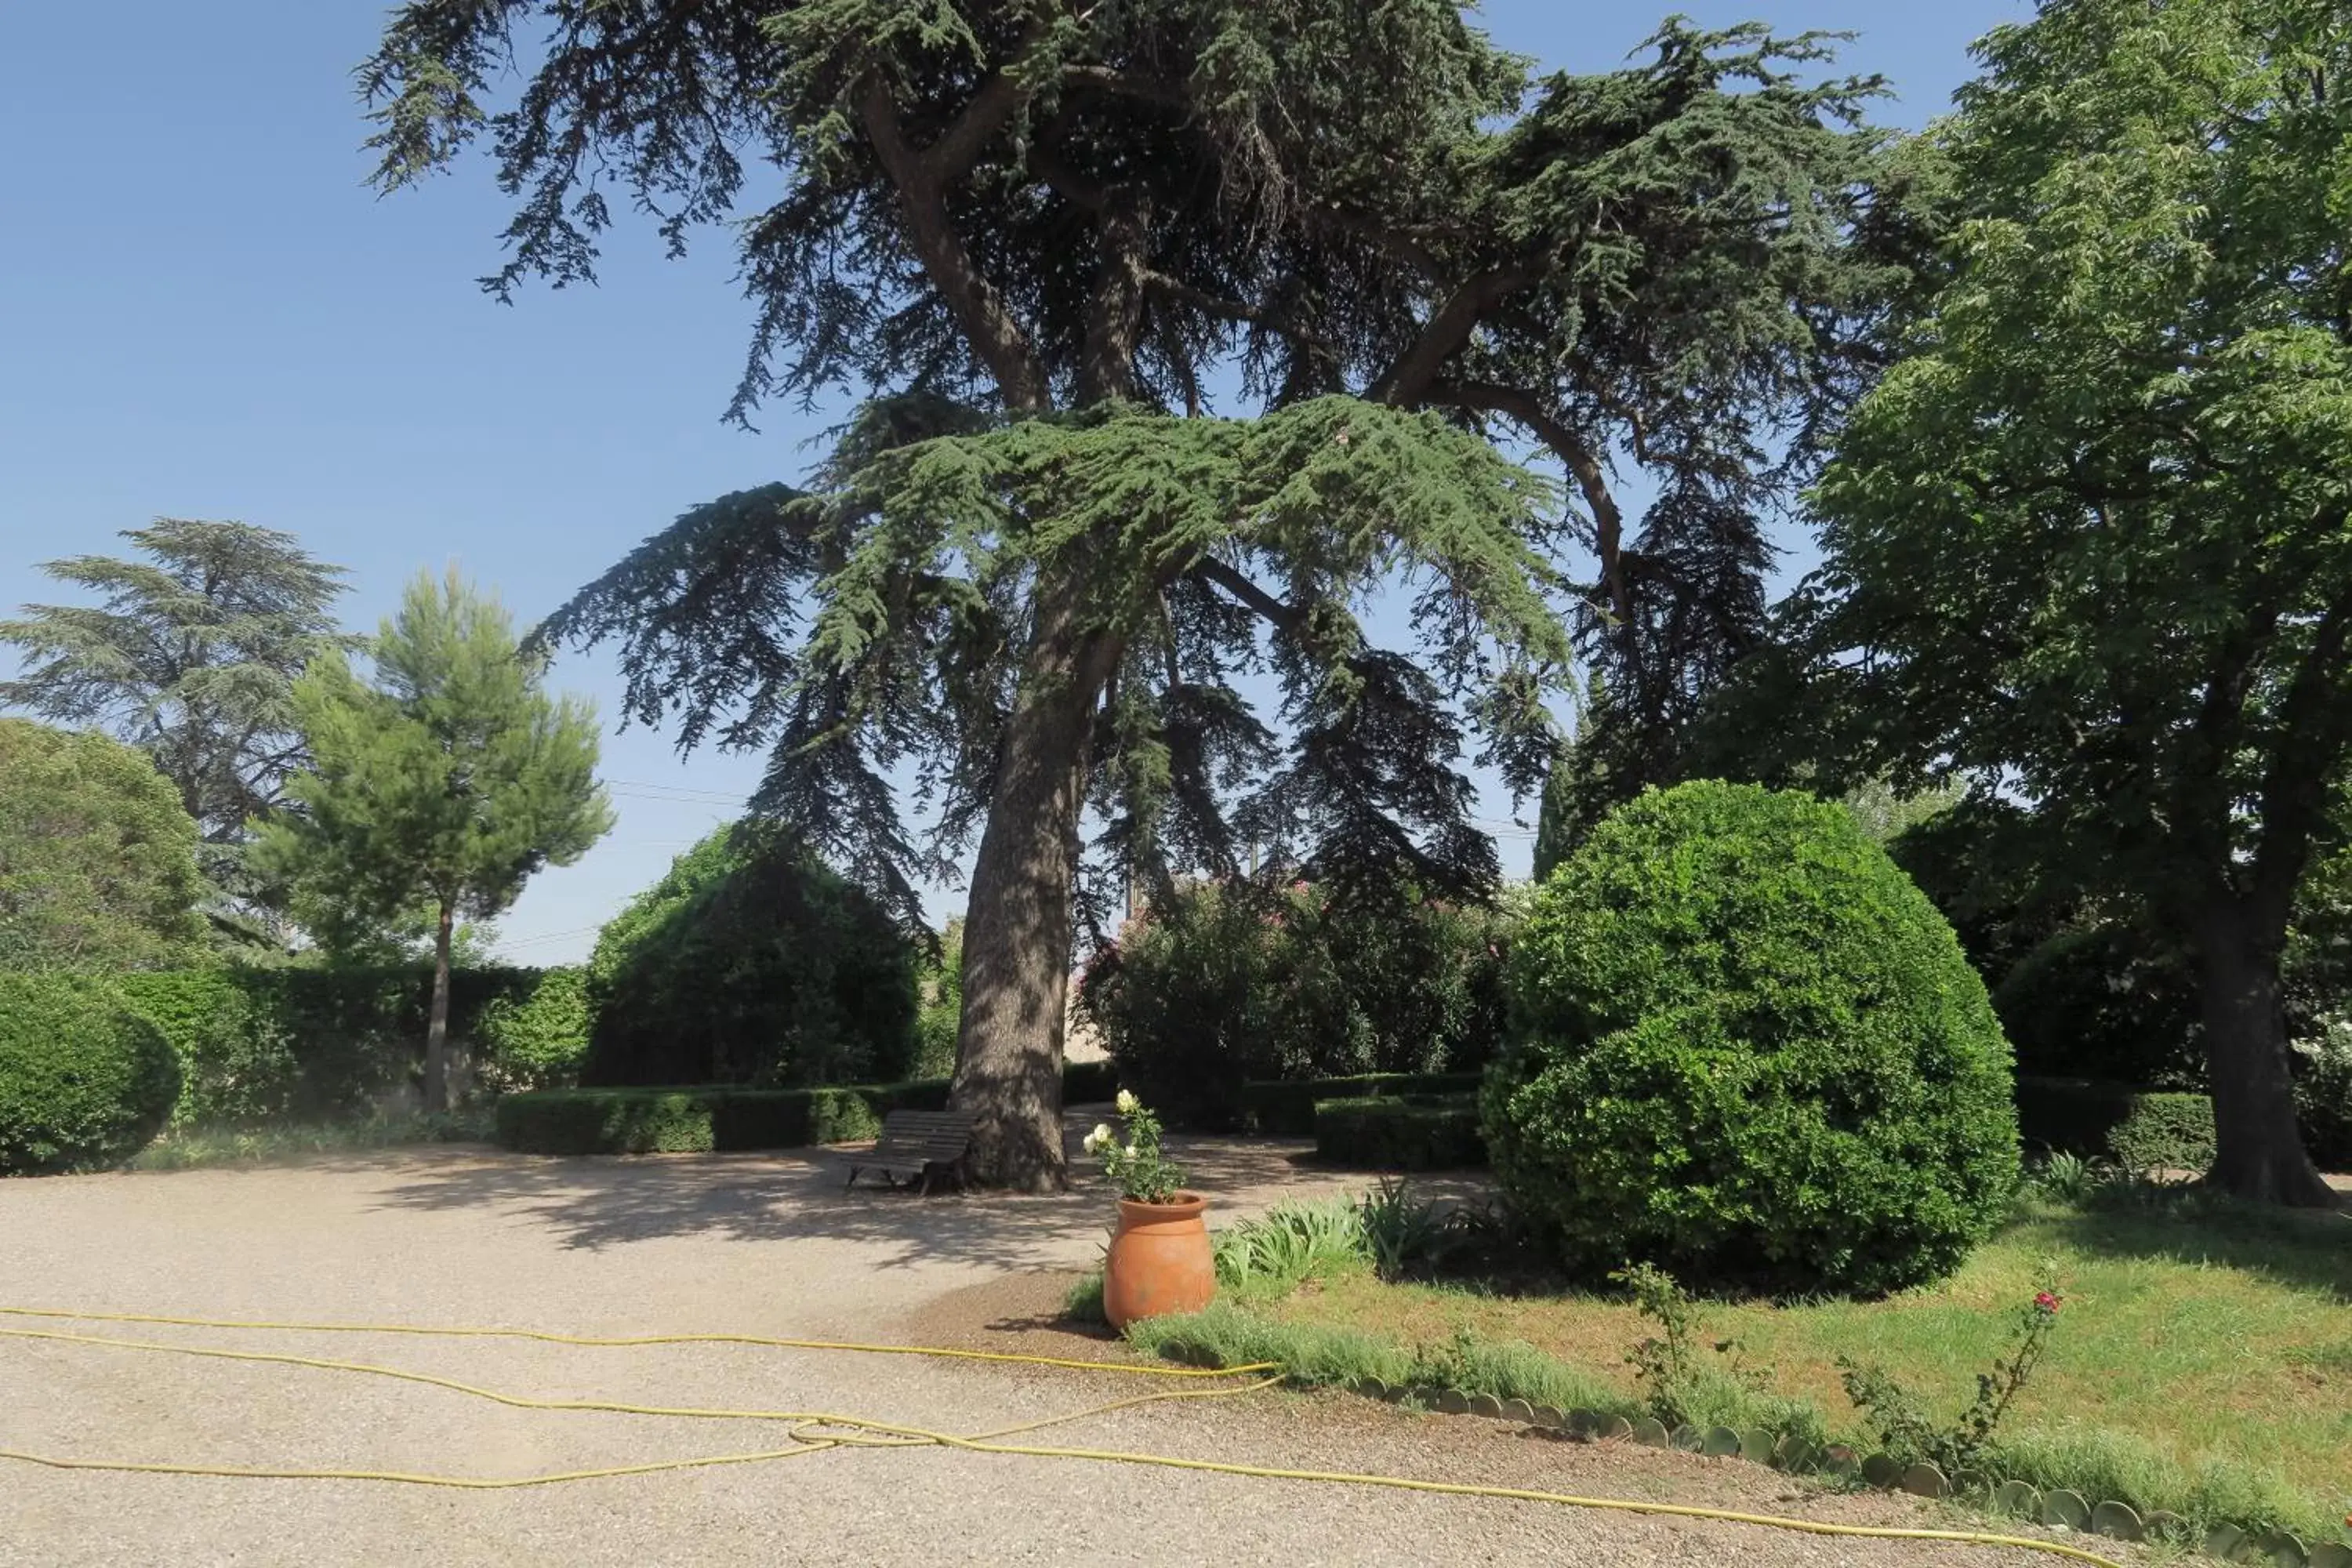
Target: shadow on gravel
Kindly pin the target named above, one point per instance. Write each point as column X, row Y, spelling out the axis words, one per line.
column 605, row 1201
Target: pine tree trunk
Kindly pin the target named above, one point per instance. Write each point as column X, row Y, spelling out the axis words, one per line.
column 436, row 1027
column 2259, row 1153
column 1016, row 937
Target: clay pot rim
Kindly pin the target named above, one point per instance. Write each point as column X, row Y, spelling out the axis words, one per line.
column 1184, row 1205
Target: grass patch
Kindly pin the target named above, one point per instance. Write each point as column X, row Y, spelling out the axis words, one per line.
column 198, row 1147
column 1317, row 1355
column 2202, row 1364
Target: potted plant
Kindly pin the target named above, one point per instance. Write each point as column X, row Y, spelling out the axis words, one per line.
column 1160, row 1261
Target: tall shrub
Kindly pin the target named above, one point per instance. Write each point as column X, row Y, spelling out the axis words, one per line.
column 750, row 961
column 1228, row 983
column 1747, row 1049
column 85, row 1082
column 539, row 1039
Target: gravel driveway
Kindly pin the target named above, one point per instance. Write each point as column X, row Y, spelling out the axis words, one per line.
column 759, row 1244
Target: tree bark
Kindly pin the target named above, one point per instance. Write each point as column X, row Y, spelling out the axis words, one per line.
column 2259, row 1153
column 1017, row 935
column 436, row 1027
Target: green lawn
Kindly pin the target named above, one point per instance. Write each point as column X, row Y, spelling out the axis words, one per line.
column 2202, row 1361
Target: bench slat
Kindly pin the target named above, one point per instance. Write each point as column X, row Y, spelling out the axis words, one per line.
column 913, row 1141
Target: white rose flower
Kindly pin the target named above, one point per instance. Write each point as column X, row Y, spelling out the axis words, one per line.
column 1128, row 1104
column 1099, row 1138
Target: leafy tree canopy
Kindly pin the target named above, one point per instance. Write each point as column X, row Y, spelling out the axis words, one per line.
column 443, row 784
column 2091, row 538
column 995, row 213
column 877, row 621
column 97, row 862
column 190, row 655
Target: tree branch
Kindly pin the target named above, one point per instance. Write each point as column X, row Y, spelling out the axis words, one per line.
column 1582, row 462
column 1210, row 570
column 1233, row 310
column 1407, row 381
column 1126, row 84
column 2313, row 720
column 921, row 181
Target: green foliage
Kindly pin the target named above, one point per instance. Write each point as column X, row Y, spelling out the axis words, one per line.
column 438, row 789
column 1284, row 1108
column 1673, row 260
column 1316, row 1356
column 2166, row 1133
column 98, row 861
column 1397, row 1133
column 914, row 573
column 443, row 784
column 700, row 1121
column 312, row 1047
column 538, row 1040
column 1026, row 566
column 1087, row 1083
column 2143, row 1132
column 1680, row 1386
column 1404, row 1233
column 238, row 1059
column 752, row 962
column 191, row 657
column 207, row 1147
column 2323, row 1095
column 2090, row 536
column 85, row 1082
column 1904, row 1429
column 1747, row 1049
column 1134, row 1163
column 939, row 990
column 1294, row 1241
column 2099, row 1003
column 1224, row 984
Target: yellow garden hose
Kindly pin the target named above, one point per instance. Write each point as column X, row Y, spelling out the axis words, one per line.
column 814, row 1431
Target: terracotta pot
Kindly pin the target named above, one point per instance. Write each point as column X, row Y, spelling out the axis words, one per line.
column 1160, row 1261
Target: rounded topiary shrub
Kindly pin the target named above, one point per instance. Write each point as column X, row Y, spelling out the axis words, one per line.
column 1746, row 1048
column 85, row 1082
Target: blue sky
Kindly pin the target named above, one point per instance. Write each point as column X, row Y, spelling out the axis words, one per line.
column 204, row 312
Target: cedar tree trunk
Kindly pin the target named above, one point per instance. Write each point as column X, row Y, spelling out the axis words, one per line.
column 2259, row 1153
column 437, row 1029
column 1017, row 934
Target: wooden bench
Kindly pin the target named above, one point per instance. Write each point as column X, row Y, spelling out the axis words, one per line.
column 916, row 1143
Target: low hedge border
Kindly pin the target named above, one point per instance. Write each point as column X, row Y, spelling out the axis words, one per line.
column 1397, row 1132
column 701, row 1120
column 1284, row 1108
column 723, row 1119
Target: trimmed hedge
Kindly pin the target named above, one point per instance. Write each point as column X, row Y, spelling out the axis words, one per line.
column 85, row 1081
column 720, row 1117
column 1393, row 1133
column 1089, row 1083
column 1286, row 1107
column 2138, row 1127
column 1216, row 986
column 308, row 1045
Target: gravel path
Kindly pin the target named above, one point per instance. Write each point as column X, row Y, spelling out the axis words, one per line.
column 758, row 1245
